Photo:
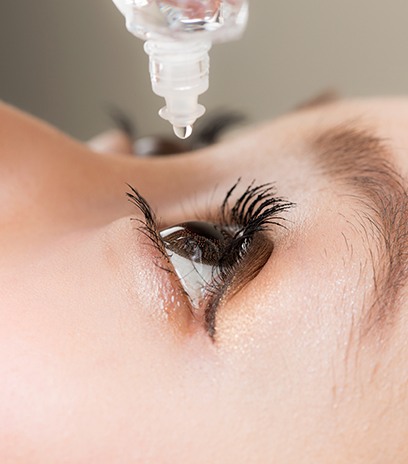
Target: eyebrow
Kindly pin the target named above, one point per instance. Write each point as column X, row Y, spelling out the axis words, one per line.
column 356, row 157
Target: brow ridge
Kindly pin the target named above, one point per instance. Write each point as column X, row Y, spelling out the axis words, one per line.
column 355, row 156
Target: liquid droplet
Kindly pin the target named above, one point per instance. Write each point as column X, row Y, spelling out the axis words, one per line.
column 183, row 132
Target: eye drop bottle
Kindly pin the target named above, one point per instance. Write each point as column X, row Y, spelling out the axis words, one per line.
column 179, row 35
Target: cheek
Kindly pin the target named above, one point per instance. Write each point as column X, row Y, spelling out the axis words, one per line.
column 88, row 369
column 290, row 329
column 310, row 289
column 107, row 396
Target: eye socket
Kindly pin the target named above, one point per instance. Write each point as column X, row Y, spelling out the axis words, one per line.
column 214, row 262
column 195, row 249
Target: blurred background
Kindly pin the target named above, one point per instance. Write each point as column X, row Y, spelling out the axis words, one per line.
column 69, row 61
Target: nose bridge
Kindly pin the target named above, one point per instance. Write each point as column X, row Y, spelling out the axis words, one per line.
column 178, row 185
column 166, row 181
column 53, row 181
column 46, row 179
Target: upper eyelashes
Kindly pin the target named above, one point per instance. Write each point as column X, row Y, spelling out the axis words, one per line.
column 213, row 260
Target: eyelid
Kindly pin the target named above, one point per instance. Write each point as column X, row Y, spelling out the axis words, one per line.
column 243, row 273
column 255, row 259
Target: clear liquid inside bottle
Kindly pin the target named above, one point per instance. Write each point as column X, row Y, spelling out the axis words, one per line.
column 220, row 19
column 179, row 35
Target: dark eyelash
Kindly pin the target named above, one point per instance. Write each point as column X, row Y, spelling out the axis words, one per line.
column 256, row 209
column 254, row 212
column 149, row 224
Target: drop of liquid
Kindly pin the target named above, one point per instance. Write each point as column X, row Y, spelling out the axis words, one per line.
column 183, row 132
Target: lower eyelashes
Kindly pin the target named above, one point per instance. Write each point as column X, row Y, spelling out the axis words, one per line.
column 214, row 260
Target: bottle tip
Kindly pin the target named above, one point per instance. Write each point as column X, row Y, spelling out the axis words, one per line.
column 183, row 132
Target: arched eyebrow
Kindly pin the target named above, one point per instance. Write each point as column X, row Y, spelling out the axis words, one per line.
column 356, row 157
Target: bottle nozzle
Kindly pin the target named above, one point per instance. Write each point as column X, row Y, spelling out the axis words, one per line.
column 179, row 72
column 179, row 36
column 182, row 113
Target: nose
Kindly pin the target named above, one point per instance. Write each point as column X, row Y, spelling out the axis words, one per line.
column 54, row 182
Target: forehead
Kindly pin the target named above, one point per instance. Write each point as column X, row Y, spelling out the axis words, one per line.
column 387, row 118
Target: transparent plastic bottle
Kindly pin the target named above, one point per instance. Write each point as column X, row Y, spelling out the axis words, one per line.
column 179, row 35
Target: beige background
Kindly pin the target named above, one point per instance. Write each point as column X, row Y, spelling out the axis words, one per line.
column 66, row 61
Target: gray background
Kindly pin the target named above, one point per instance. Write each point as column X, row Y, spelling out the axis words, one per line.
column 66, row 61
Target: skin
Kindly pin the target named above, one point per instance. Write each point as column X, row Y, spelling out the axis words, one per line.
column 100, row 357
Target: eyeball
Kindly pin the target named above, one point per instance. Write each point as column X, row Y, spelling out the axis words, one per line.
column 194, row 249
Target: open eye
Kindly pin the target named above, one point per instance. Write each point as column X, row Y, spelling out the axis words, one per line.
column 195, row 250
column 214, row 260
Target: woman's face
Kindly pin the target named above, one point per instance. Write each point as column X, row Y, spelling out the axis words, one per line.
column 102, row 358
